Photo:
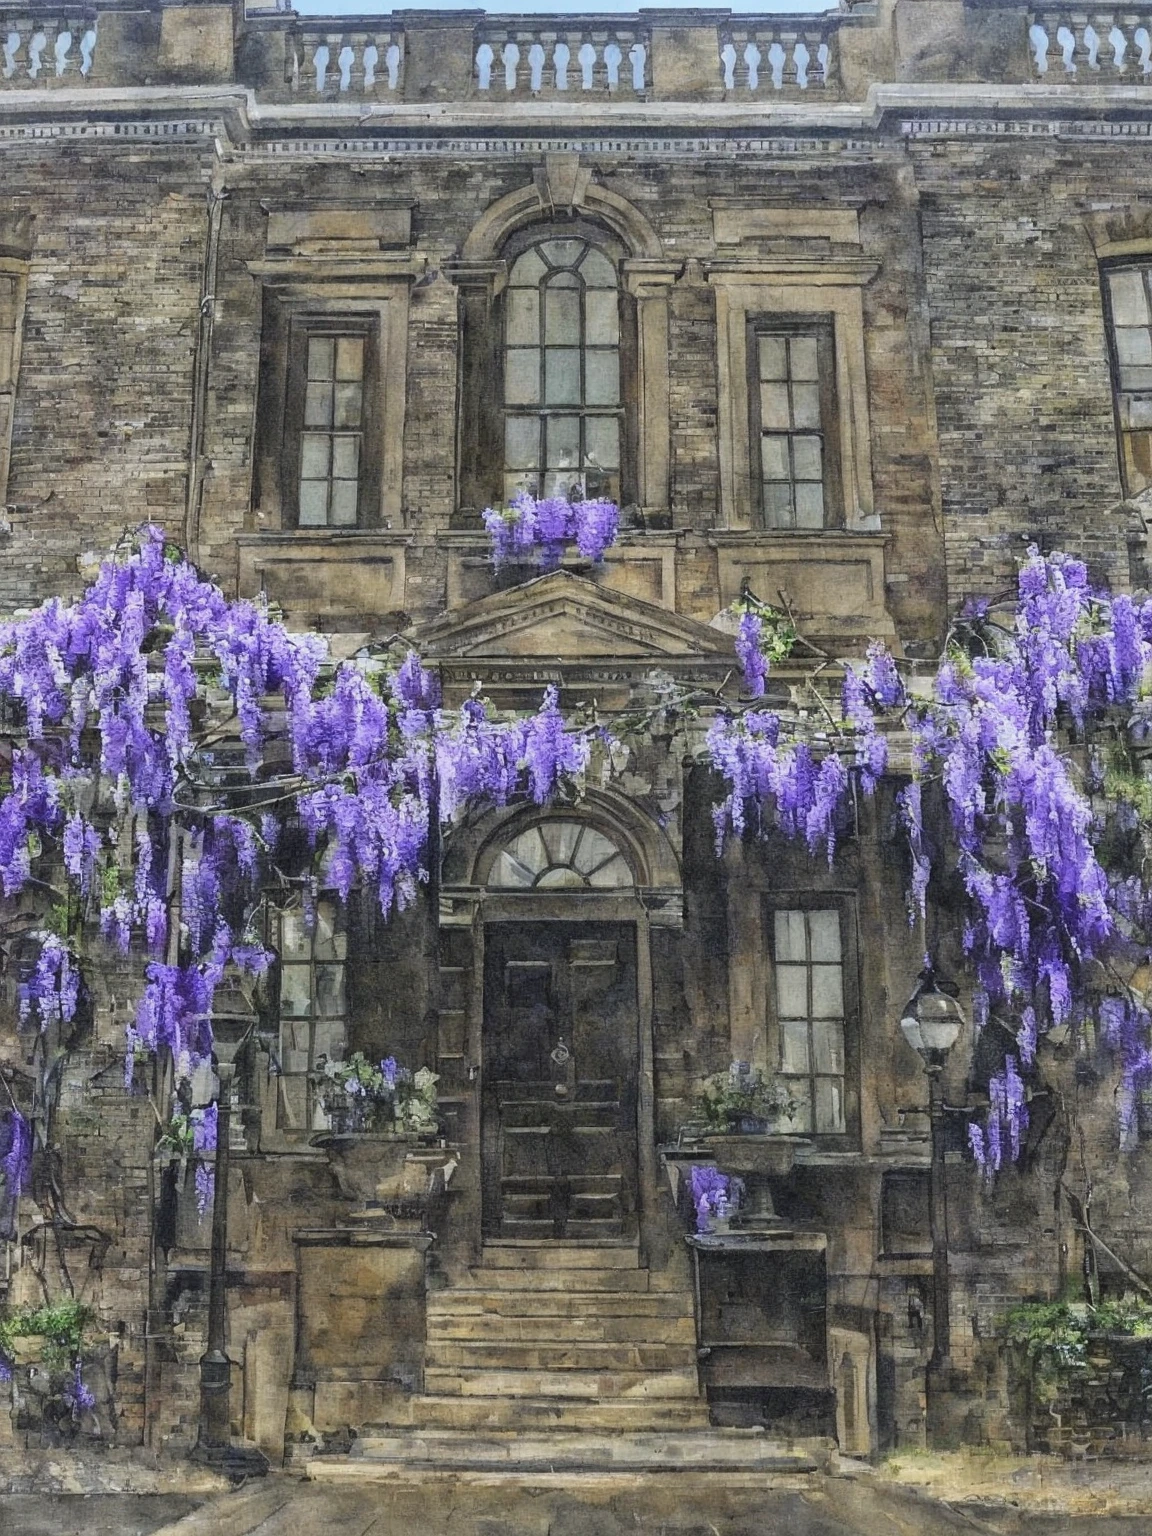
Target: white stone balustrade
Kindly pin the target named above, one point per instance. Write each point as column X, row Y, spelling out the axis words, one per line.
column 511, row 62
column 330, row 63
column 787, row 56
column 1092, row 45
column 38, row 51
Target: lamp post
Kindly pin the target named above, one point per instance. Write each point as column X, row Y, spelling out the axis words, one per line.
column 930, row 1022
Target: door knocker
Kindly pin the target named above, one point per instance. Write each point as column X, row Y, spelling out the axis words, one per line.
column 561, row 1055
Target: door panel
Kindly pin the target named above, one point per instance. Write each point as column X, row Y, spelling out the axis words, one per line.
column 559, row 1086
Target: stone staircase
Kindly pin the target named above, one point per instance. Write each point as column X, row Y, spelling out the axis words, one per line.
column 556, row 1356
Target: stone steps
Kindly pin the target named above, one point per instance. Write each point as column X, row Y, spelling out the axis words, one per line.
column 489, row 1302
column 578, row 1327
column 558, row 1355
column 561, row 1278
column 453, row 1381
column 741, row 1451
column 528, row 1413
column 534, row 1254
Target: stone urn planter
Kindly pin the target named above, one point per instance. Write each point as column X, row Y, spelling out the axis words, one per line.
column 375, row 1166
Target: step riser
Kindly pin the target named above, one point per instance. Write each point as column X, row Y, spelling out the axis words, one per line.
column 520, row 1414
column 569, row 1280
column 552, row 1449
column 559, row 1357
column 546, row 1255
column 462, row 1303
column 560, row 1383
column 489, row 1329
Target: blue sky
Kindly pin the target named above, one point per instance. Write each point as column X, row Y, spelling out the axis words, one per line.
column 557, row 7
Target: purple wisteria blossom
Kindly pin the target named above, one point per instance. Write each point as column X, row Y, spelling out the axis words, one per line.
column 15, row 1152
column 748, row 653
column 530, row 529
column 51, row 992
column 713, row 1194
column 77, row 1394
column 1002, row 1135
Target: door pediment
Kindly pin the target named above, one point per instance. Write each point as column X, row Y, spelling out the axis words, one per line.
column 565, row 617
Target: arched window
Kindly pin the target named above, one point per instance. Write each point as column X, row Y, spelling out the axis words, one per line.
column 561, row 855
column 563, row 404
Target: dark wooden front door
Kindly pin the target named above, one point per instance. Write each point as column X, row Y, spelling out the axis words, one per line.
column 560, row 1067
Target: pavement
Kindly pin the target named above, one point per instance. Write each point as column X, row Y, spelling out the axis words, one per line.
column 925, row 1496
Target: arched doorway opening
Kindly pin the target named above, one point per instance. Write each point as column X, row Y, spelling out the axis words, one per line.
column 560, row 1047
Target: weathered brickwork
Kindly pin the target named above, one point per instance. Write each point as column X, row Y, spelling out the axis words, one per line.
column 948, row 239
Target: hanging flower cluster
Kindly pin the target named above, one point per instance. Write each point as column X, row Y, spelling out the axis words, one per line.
column 764, row 636
column 540, row 530
column 50, row 994
column 714, row 1195
column 109, row 769
column 1007, row 1120
column 15, row 1152
column 993, row 733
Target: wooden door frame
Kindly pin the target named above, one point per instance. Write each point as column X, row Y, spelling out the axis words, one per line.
column 538, row 906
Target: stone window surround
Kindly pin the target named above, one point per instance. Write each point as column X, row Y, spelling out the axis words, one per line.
column 290, row 296
column 562, row 186
column 759, row 290
column 13, row 298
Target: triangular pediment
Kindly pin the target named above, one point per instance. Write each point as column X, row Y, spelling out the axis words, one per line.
column 565, row 617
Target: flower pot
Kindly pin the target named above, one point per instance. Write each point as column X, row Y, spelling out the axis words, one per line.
column 750, row 1125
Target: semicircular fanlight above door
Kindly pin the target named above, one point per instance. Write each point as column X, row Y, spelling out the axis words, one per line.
column 561, row 855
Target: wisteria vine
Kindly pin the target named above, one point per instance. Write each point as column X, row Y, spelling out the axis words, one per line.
column 163, row 743
column 531, row 529
column 1028, row 700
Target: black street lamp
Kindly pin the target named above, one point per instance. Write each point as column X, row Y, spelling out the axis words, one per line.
column 931, row 1021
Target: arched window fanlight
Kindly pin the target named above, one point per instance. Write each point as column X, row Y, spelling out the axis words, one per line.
column 561, row 855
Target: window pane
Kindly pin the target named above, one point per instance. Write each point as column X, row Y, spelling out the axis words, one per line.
column 318, row 405
column 295, row 991
column 522, row 442
column 809, row 504
column 321, row 351
column 562, row 376
column 327, row 942
column 527, row 270
column 773, row 357
column 562, row 316
column 518, row 480
column 794, row 1046
column 330, row 990
column 596, row 270
column 328, row 1040
column 313, row 503
column 1129, row 298
column 522, row 377
column 774, row 458
column 350, row 357
column 602, row 442
column 1134, row 346
column 800, row 1091
column 778, row 503
column 345, row 495
column 347, row 413
column 602, row 378
column 790, row 936
column 827, row 992
column 294, row 940
column 792, row 991
column 774, row 411
column 524, row 316
column 803, row 350
column 564, row 482
column 563, row 253
column 346, row 458
column 1138, row 378
column 807, row 458
column 563, row 442
column 824, row 934
column 829, row 1104
column 806, row 405
column 314, row 455
column 601, row 317
column 828, row 1043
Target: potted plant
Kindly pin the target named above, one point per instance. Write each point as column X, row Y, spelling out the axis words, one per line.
column 361, row 1097
column 743, row 1101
